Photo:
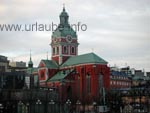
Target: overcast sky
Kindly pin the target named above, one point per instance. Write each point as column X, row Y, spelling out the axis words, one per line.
column 117, row 30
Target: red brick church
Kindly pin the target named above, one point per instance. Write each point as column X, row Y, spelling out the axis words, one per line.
column 76, row 77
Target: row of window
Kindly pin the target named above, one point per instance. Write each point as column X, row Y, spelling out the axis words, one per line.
column 55, row 50
column 64, row 50
column 119, row 83
column 119, row 77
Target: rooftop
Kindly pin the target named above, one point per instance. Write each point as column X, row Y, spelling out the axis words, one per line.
column 84, row 59
column 50, row 64
column 59, row 76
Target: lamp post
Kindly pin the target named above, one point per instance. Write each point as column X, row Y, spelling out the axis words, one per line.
column 61, row 92
column 95, row 108
column 68, row 102
column 78, row 103
column 51, row 106
column 28, row 109
column 140, row 91
column 147, row 94
column 38, row 103
column 20, row 107
column 133, row 95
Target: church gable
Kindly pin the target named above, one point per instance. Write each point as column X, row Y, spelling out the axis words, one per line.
column 47, row 68
column 48, row 64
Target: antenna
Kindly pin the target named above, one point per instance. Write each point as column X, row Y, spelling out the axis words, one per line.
column 63, row 5
column 47, row 55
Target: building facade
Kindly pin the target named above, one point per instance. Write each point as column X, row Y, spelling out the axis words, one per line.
column 76, row 77
column 9, row 77
column 4, row 64
column 119, row 80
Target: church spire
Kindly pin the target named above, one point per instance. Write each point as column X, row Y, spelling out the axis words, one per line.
column 64, row 7
column 30, row 63
column 30, row 56
column 64, row 17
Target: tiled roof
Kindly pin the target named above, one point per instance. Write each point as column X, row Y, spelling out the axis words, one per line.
column 60, row 75
column 50, row 63
column 117, row 73
column 84, row 59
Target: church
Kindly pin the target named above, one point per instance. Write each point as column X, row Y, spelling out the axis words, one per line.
column 75, row 77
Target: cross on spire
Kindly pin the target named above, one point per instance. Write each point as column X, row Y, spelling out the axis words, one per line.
column 63, row 6
column 30, row 55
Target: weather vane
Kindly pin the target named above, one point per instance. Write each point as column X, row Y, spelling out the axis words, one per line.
column 63, row 5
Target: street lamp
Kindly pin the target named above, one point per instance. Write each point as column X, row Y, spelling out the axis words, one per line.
column 147, row 94
column 68, row 102
column 28, row 109
column 20, row 107
column 62, row 83
column 51, row 105
column 38, row 103
column 95, row 108
column 78, row 103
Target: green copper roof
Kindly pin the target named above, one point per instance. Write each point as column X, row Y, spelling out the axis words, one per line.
column 63, row 32
column 50, row 63
column 64, row 27
column 64, row 13
column 30, row 62
column 83, row 59
column 60, row 75
column 31, row 70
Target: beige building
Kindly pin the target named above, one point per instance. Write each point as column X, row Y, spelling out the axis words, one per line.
column 20, row 64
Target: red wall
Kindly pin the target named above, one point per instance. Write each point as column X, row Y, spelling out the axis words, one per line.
column 72, row 81
column 56, row 58
column 94, row 73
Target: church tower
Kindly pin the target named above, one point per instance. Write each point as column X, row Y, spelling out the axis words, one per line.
column 30, row 63
column 64, row 42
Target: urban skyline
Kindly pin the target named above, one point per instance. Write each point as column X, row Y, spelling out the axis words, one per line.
column 116, row 30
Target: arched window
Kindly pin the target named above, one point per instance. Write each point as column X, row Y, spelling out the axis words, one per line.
column 65, row 49
column 69, row 92
column 54, row 50
column 73, row 50
column 100, row 80
column 57, row 50
column 88, row 83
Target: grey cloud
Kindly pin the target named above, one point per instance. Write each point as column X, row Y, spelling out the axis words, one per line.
column 116, row 28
